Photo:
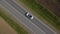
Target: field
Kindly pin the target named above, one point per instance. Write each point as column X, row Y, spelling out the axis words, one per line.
column 12, row 23
column 5, row 27
column 53, row 5
column 42, row 12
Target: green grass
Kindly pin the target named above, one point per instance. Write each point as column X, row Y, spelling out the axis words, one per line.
column 13, row 24
column 42, row 12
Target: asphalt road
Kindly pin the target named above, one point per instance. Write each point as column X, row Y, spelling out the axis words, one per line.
column 35, row 25
column 23, row 20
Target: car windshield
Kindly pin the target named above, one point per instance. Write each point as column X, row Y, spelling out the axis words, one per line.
column 29, row 15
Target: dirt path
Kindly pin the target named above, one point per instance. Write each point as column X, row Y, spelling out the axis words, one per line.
column 5, row 27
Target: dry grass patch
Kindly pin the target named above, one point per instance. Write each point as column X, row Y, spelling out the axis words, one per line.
column 5, row 28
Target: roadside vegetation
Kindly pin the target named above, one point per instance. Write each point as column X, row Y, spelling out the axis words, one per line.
column 5, row 28
column 43, row 12
column 12, row 23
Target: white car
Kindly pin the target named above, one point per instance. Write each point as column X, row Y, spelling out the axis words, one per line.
column 28, row 15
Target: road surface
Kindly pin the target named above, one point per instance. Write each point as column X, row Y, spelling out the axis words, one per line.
column 18, row 12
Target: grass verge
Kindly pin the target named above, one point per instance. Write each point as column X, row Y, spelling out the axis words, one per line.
column 43, row 12
column 13, row 24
